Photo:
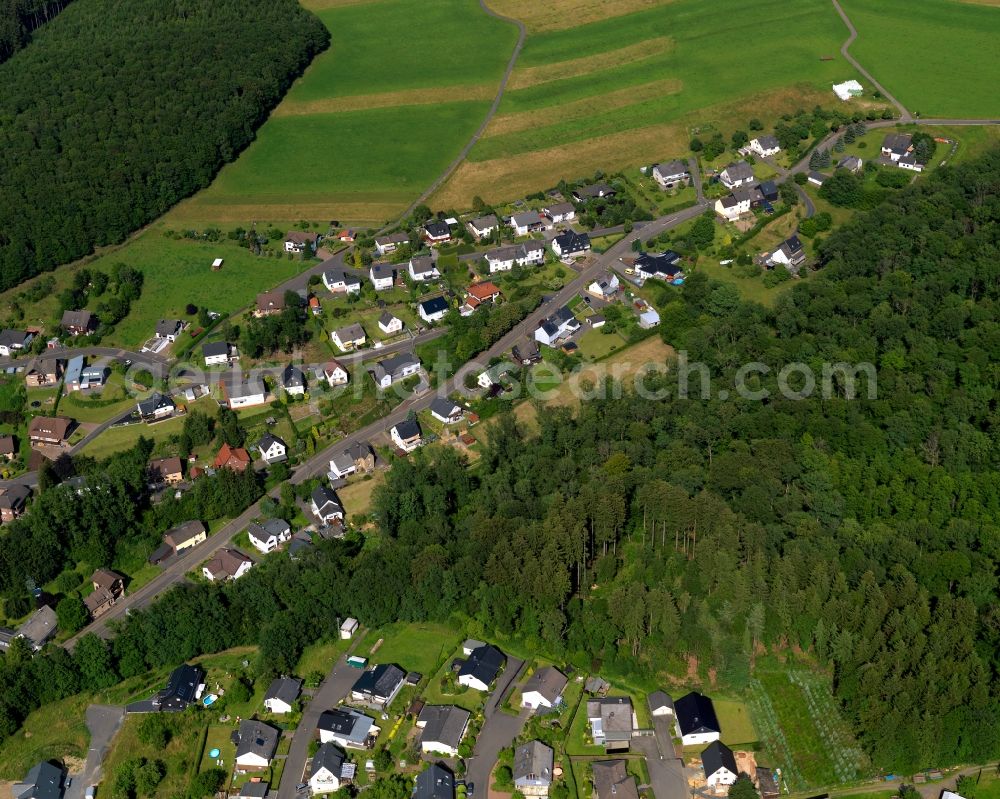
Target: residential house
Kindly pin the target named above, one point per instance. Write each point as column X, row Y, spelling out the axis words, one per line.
column 390, row 324
column 270, row 303
column 570, row 244
column 347, row 236
column 481, row 667
column 672, row 175
column 254, row 788
column 526, row 352
column 434, row 782
column 299, row 241
column 503, row 259
column 768, row 191
column 379, row 686
column 244, row 393
column 325, row 505
column 326, row 770
column 387, row 244
column 39, row 628
column 470, row 645
column 45, row 372
column 8, row 448
column 660, row 704
column 720, row 765
column 155, row 407
column 736, row 175
column 612, row 780
column 437, row 232
column 527, row 222
column 909, row 161
column 611, row 722
column 791, row 253
column 348, row 628
column 406, row 435
column 897, row 145
column 532, row 769
column 333, row 373
column 166, row 471
column 561, row 324
column 49, row 429
column 696, row 720
column 347, row 728
column 7, row 636
column 14, row 341
column 559, row 212
column 270, row 534
column 227, row 564
column 544, row 688
column 13, row 501
column 78, row 323
column 184, row 686
column 108, row 587
column 484, row 226
column 446, row 411
column 605, row 287
column 350, row 337
column 272, row 449
column 851, row 163
column 422, row 267
column 235, row 458
column 44, row 780
column 738, row 203
column 593, row 192
column 382, row 276
column 74, row 370
column 442, row 729
column 433, row 310
column 93, row 376
column 341, row 281
column 185, row 536
column 293, row 380
column 216, row 353
column 282, row 694
column 816, row 178
column 765, row 146
column 478, row 293
column 256, row 745
column 848, row 89
column 358, row 457
column 395, row 368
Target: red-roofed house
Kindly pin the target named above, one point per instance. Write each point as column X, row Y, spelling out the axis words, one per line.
column 235, row 458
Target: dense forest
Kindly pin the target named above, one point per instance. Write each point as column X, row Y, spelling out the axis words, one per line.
column 863, row 531
column 18, row 18
column 116, row 111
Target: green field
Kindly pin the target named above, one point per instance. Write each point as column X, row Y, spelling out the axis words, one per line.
column 374, row 120
column 938, row 57
column 55, row 730
column 414, row 647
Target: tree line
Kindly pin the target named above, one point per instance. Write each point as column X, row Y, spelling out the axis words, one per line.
column 18, row 18
column 118, row 112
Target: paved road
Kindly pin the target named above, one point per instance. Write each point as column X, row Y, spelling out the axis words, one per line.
column 333, row 689
column 143, row 360
column 498, row 731
column 905, row 115
column 103, row 722
column 666, row 770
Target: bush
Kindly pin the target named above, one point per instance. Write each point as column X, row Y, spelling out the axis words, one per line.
column 206, row 783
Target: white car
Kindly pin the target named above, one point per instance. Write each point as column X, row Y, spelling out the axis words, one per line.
column 91, row 791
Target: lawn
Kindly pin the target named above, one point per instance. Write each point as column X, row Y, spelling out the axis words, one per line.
column 596, row 344
column 116, row 439
column 98, row 406
column 357, row 496
column 934, row 56
column 56, row 730
column 751, row 288
column 734, row 719
column 415, row 646
column 180, row 756
column 374, row 120
column 320, row 657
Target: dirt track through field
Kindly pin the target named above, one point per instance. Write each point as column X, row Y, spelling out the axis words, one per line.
column 561, row 14
column 533, row 76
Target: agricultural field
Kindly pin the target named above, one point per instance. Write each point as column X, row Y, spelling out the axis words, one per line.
column 637, row 93
column 374, row 120
column 801, row 729
column 938, row 57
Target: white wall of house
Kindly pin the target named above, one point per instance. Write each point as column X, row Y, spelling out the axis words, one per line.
column 534, row 699
column 721, row 777
column 323, row 781
column 697, row 739
column 247, row 401
column 275, row 705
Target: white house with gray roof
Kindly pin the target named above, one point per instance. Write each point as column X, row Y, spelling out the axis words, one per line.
column 533, row 769
column 736, row 175
column 346, row 727
column 765, row 146
column 327, row 769
column 672, row 174
column 442, row 729
column 256, row 746
column 395, row 368
column 282, row 694
column 350, row 337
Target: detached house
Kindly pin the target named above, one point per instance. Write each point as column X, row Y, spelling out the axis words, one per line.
column 561, row 324
column 333, row 372
column 478, row 293
column 13, row 502
column 358, row 457
column 765, row 146
column 293, row 380
column 559, row 212
column 387, row 244
column 736, row 175
column 446, row 411
column 532, row 769
column 503, row 259
column 390, row 324
column 672, row 175
column 851, row 163
column 544, row 688
column 244, row 393
column 612, row 780
column 347, row 728
column 741, row 201
column 184, row 536
column 382, row 276
column 256, row 745
column 156, row 407
column 593, row 192
column 341, row 281
column 235, row 458
column 720, row 765
column 43, row 781
column 406, row 435
column 605, row 287
column 228, row 564
column 422, row 267
column 611, row 722
column 379, row 686
column 395, row 368
column 108, row 587
column 216, row 353
column 327, row 768
column 791, row 253
column 269, row 535
column 442, row 729
column 524, row 223
column 45, row 372
column 435, row 782
column 272, row 449
column 349, row 338
column 484, row 226
column 282, row 694
column 481, row 667
column 166, row 471
column 433, row 310
column 661, row 704
column 14, row 341
column 570, row 244
column 270, row 303
column 897, row 145
column 662, row 266
column 298, row 241
column 49, row 429
column 78, row 323
column 325, row 505
column 437, row 232
column 39, row 628
column 696, row 720
column 184, row 686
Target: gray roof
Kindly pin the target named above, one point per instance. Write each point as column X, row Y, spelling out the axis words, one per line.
column 387, row 318
column 395, row 364
column 329, row 757
column 897, row 142
column 422, row 264
column 436, row 782
column 380, row 681
column 339, row 275
column 408, row 428
column 183, row 532
column 444, row 724
column 351, row 332
column 483, row 222
column 10, row 338
column 40, row 626
column 526, row 218
column 347, row 724
column 548, row 681
column 595, row 190
column 818, row 177
column 325, row 496
column 615, row 713
column 672, row 168
column 612, row 780
column 393, row 238
column 215, row 348
column 696, row 714
column 287, row 689
column 77, row 319
column 268, row 439
column 253, row 790
column 571, row 241
column 532, row 764
column 434, row 305
column 716, row 756
column 740, row 170
column 291, row 375
column 257, row 738
column 383, row 270
column 659, row 699
column 484, row 663
column 444, row 407
column 168, row 327
column 43, row 781
column 767, row 142
column 15, row 496
column 503, row 254
column 560, row 208
column 154, row 403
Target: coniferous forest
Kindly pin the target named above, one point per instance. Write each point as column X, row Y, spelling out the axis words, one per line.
column 644, row 532
column 115, row 111
column 18, row 18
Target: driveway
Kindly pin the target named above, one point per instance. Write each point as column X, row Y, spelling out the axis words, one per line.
column 103, row 722
column 334, row 688
column 498, row 732
column 666, row 771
